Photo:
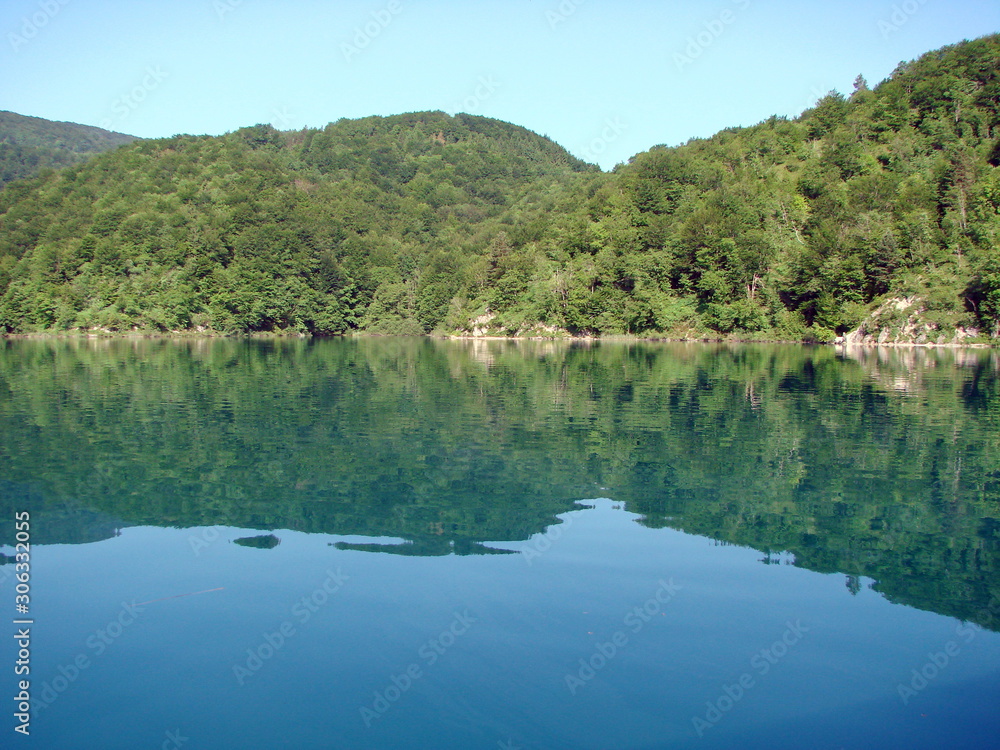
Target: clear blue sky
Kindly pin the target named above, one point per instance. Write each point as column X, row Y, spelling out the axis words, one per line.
column 604, row 79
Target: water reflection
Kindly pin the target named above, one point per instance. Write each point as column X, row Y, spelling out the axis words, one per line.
column 881, row 465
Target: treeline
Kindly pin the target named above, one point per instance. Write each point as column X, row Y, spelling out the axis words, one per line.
column 791, row 229
column 30, row 145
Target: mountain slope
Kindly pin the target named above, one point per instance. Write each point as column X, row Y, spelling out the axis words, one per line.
column 30, row 144
column 794, row 229
column 799, row 228
column 367, row 223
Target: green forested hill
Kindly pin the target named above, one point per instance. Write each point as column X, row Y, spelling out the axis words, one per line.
column 30, row 144
column 375, row 223
column 886, row 200
column 891, row 192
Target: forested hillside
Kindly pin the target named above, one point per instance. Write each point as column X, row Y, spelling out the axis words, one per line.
column 888, row 193
column 886, row 201
column 30, row 144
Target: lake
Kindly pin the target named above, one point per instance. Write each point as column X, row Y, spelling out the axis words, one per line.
column 417, row 543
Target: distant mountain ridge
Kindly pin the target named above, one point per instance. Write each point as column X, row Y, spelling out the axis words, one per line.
column 30, row 144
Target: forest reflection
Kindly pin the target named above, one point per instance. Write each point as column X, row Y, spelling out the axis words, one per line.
column 879, row 464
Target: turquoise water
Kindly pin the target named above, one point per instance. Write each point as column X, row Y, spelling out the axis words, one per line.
column 409, row 543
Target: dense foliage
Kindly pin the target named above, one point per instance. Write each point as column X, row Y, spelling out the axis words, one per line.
column 796, row 229
column 372, row 223
column 29, row 145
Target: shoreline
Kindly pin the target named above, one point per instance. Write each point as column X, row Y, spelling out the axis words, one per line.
column 272, row 336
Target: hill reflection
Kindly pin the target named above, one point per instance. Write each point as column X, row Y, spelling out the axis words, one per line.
column 882, row 465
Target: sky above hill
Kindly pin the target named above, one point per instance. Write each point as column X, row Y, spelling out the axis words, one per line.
column 604, row 79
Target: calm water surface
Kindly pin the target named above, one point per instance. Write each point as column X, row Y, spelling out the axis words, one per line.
column 403, row 543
